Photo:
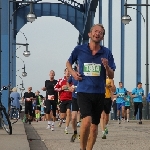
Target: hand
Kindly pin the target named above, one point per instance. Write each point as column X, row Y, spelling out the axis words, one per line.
column 31, row 98
column 105, row 62
column 76, row 75
column 72, row 88
column 44, row 88
column 117, row 95
column 64, row 87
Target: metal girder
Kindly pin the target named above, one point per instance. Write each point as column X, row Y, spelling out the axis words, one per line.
column 73, row 4
column 74, row 16
column 91, row 9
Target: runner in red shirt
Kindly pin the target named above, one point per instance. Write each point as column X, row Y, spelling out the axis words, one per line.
column 65, row 97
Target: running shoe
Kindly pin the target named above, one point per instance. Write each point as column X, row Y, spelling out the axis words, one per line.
column 66, row 131
column 78, row 124
column 26, row 120
column 119, row 121
column 74, row 136
column 104, row 136
column 78, row 137
column 52, row 128
column 29, row 121
column 140, row 122
column 48, row 127
column 106, row 130
column 60, row 123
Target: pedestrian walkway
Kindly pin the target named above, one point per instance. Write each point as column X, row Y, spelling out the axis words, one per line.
column 126, row 136
column 16, row 141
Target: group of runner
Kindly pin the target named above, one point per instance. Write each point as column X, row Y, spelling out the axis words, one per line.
column 86, row 90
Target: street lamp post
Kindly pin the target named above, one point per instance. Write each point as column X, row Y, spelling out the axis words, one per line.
column 22, row 86
column 126, row 19
column 24, row 73
column 0, row 45
column 26, row 53
column 31, row 16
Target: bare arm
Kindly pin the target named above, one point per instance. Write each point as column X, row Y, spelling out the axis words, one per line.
column 44, row 88
column 109, row 72
column 113, row 87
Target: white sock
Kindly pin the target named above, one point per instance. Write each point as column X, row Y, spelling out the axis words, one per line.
column 66, row 128
column 49, row 122
column 52, row 123
column 103, row 132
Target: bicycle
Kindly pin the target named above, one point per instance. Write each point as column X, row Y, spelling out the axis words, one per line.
column 4, row 117
column 15, row 112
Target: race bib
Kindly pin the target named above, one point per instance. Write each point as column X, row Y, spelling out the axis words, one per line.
column 91, row 69
column 140, row 93
column 121, row 94
column 50, row 97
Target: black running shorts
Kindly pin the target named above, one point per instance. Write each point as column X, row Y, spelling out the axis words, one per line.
column 107, row 105
column 64, row 105
column 91, row 104
column 127, row 107
column 28, row 109
column 75, row 106
column 50, row 105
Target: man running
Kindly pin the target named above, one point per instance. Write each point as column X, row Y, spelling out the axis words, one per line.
column 28, row 97
column 107, row 106
column 75, row 107
column 94, row 62
column 65, row 96
column 138, row 95
column 120, row 93
column 51, row 100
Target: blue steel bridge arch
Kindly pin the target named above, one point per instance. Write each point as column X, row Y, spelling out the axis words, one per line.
column 70, row 14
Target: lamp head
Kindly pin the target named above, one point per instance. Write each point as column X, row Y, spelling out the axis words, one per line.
column 26, row 53
column 126, row 19
column 31, row 17
column 24, row 74
column 22, row 89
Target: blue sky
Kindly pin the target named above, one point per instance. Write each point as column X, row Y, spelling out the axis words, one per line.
column 52, row 39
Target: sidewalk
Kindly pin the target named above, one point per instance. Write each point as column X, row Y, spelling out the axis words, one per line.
column 16, row 141
column 126, row 136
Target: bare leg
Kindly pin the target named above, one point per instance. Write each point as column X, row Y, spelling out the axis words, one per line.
column 84, row 131
column 68, row 117
column 102, row 122
column 123, row 111
column 74, row 120
column 92, row 136
column 128, row 111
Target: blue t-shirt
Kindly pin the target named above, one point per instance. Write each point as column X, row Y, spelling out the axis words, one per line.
column 88, row 63
column 74, row 82
column 121, row 92
column 16, row 97
column 138, row 93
